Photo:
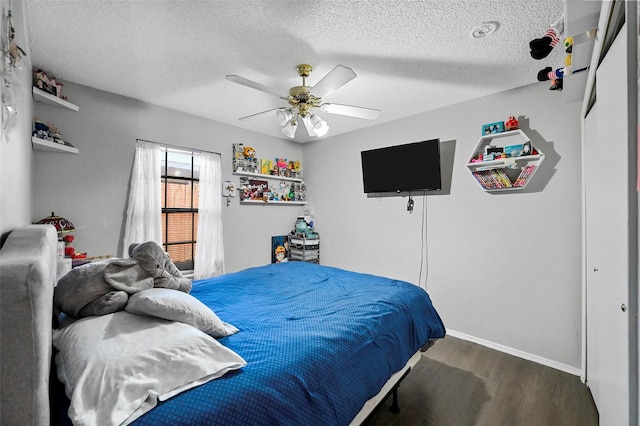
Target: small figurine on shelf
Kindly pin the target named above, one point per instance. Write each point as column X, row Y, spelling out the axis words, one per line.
column 512, row 123
column 249, row 152
column 281, row 163
column 294, row 170
column 246, row 192
column 47, row 83
column 292, row 193
column 69, row 251
column 238, row 157
column 238, row 150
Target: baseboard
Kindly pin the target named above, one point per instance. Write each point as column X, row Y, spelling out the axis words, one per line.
column 515, row 352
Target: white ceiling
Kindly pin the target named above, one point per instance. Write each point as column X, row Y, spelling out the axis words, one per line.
column 410, row 56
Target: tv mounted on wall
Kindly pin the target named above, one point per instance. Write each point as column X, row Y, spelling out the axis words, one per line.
column 402, row 168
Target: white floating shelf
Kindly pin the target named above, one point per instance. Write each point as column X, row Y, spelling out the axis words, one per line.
column 49, row 99
column 45, row 145
column 492, row 164
column 287, row 203
column 259, row 175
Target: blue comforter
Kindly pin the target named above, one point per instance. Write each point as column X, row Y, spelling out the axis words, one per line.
column 318, row 342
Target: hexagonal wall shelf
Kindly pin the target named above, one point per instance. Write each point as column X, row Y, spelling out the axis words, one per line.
column 504, row 161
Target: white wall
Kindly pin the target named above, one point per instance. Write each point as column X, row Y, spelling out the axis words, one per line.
column 501, row 267
column 504, row 268
column 15, row 135
column 90, row 188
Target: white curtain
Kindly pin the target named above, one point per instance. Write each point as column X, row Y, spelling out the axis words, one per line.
column 209, row 258
column 144, row 209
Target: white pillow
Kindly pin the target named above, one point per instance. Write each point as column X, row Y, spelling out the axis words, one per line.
column 176, row 305
column 116, row 367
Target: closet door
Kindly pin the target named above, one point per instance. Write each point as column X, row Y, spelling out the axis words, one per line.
column 607, row 240
column 593, row 183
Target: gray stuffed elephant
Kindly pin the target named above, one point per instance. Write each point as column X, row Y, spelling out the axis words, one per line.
column 102, row 288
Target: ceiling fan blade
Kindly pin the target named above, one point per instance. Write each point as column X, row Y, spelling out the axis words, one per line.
column 351, row 111
column 253, row 85
column 307, row 125
column 337, row 77
column 259, row 114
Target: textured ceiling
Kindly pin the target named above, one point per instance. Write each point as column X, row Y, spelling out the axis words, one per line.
column 410, row 56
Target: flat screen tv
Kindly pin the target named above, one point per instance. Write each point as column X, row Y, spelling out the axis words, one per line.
column 402, row 168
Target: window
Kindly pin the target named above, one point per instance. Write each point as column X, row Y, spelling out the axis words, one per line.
column 180, row 176
column 165, row 205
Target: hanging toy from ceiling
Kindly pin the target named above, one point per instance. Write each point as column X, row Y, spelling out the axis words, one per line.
column 555, row 76
column 542, row 47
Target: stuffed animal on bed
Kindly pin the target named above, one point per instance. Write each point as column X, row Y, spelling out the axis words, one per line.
column 102, row 288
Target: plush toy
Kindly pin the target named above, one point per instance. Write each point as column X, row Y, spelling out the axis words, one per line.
column 153, row 259
column 281, row 163
column 102, row 288
column 249, row 152
column 549, row 74
column 557, row 76
column 541, row 47
column 557, row 84
column 568, row 51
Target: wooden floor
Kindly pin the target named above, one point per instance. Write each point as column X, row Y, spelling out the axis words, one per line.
column 462, row 383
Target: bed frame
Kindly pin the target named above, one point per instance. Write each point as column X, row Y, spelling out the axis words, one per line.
column 27, row 278
column 28, row 262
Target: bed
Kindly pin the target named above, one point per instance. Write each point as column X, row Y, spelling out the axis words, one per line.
column 317, row 345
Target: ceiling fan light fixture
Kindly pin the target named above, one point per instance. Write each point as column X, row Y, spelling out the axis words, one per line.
column 283, row 116
column 320, row 126
column 302, row 102
column 290, row 128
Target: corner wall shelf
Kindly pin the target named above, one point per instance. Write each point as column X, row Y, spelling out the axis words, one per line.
column 45, row 145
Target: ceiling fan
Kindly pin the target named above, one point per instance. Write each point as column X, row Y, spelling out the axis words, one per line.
column 302, row 101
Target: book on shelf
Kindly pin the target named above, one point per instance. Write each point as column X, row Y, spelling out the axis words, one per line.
column 504, row 178
column 484, row 179
column 266, row 166
column 524, row 175
column 493, row 179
